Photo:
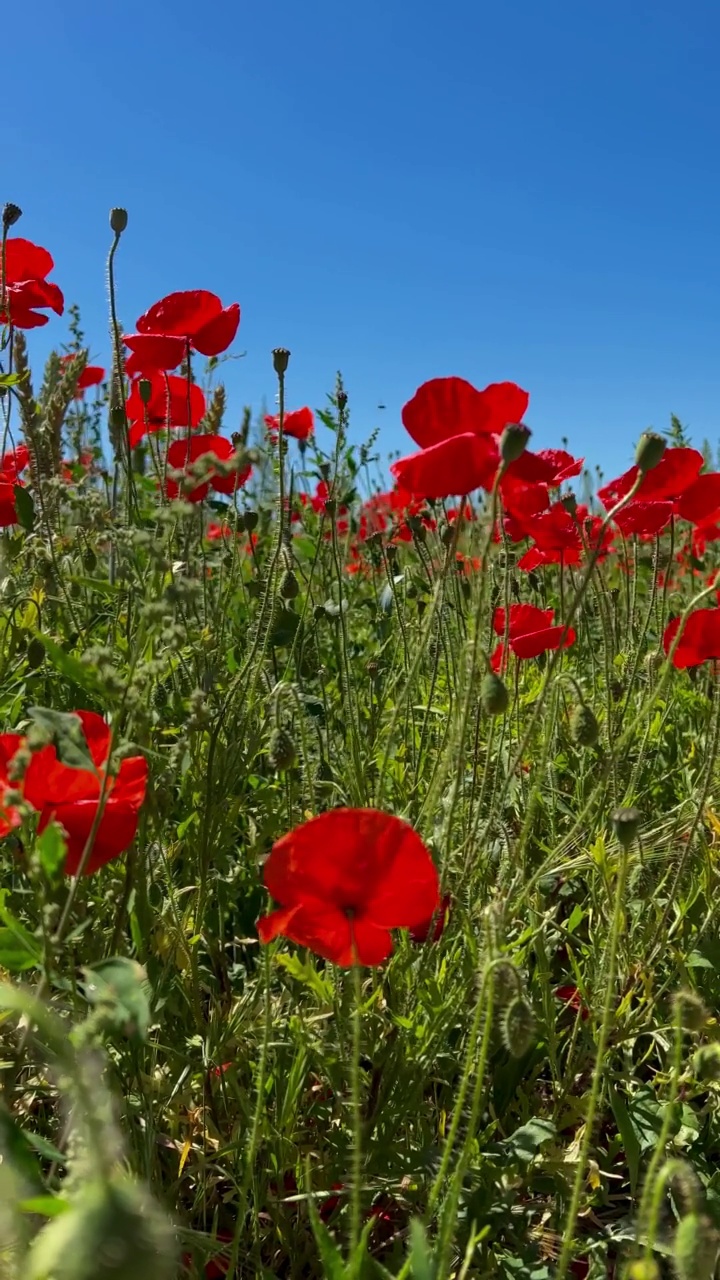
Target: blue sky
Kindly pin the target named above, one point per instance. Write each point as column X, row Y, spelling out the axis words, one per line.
column 524, row 190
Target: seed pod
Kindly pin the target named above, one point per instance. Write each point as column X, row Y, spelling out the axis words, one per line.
column 11, row 214
column 282, row 752
column 695, row 1248
column 650, row 449
column 706, row 1063
column 250, row 519
column 690, row 1010
column 626, row 824
column 513, row 441
column 289, row 586
column 281, row 357
column 494, row 695
column 686, row 1188
column 35, row 653
column 118, row 220
column 584, row 728
column 112, row 1231
column 518, row 1027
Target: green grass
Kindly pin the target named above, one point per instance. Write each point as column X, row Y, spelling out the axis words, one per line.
column 501, row 1130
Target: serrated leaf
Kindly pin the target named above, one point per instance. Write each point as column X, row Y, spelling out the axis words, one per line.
column 64, row 729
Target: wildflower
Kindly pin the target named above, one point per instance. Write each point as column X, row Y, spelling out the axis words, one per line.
column 183, row 453
column 432, row 929
column 700, row 502
column 70, row 796
column 531, row 631
column 299, row 424
column 345, row 879
column 447, row 407
column 27, row 267
column 193, row 319
column 171, row 402
column 676, row 471
column 571, row 997
column 700, row 639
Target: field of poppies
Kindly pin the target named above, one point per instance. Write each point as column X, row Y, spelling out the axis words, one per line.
column 359, row 829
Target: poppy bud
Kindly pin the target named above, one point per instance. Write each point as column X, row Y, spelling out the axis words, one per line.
column 289, row 586
column 695, row 1248
column 686, row 1188
column 689, row 1010
column 11, row 214
column 447, row 535
column 507, row 981
column 282, row 752
column 518, row 1027
column 112, row 1231
column 494, row 695
column 281, row 357
column 584, row 728
column 650, row 449
column 625, row 823
column 250, row 519
column 117, row 417
column 706, row 1063
column 513, row 441
column 569, row 502
column 145, row 390
column 35, row 653
column 118, row 220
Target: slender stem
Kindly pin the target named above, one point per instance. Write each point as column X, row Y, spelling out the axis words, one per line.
column 356, row 1195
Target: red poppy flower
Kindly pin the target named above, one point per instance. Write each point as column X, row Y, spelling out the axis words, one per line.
column 167, row 406
column 700, row 639
column 15, row 461
column 564, row 466
column 193, row 318
column 345, row 879
column 70, row 796
column 299, row 424
column 445, row 407
column 181, row 455
column 571, row 997
column 531, row 632
column 676, row 471
column 644, row 518
column 26, row 288
column 216, row 532
column 458, row 464
column 701, row 500
column 556, row 537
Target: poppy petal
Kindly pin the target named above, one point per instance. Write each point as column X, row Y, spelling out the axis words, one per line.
column 454, row 466
column 215, row 337
column 185, row 313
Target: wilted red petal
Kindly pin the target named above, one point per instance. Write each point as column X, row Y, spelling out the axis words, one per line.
column 185, row 313
column 564, row 466
column 215, row 337
column 454, row 466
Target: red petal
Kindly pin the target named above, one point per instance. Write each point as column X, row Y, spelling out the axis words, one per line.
column 25, row 260
column 444, row 407
column 531, row 646
column 644, row 518
column 701, row 500
column 524, row 618
column 700, row 640
column 27, row 294
column 454, row 466
column 505, row 402
column 563, row 464
column 153, row 351
column 184, row 313
column 216, row 336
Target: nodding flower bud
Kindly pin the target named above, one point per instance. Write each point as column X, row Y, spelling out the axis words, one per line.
column 513, row 441
column 118, row 220
column 11, row 214
column 282, row 752
column 518, row 1027
column 584, row 728
column 626, row 823
column 281, row 358
column 689, row 1010
column 695, row 1247
column 145, row 390
column 250, row 519
column 706, row 1063
column 494, row 695
column 650, row 449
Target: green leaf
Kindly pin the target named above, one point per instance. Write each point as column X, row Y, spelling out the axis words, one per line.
column 120, row 987
column 45, row 1206
column 307, row 974
column 51, row 849
column 19, row 950
column 19, row 1151
column 524, row 1144
column 421, row 1259
column 628, row 1135
column 64, row 729
column 24, row 506
column 69, row 666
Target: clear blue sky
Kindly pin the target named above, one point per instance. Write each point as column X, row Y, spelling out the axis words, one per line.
column 524, row 189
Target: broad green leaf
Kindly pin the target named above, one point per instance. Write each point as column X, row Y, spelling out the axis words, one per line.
column 51, row 849
column 64, row 729
column 628, row 1135
column 524, row 1144
column 24, row 506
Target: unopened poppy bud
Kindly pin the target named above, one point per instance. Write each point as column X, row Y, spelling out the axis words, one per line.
column 518, row 1027
column 689, row 1010
column 494, row 695
column 513, row 441
column 118, row 220
column 117, row 417
column 569, row 502
column 686, row 1187
column 35, row 653
column 695, row 1248
column 706, row 1063
column 282, row 752
column 626, row 824
column 11, row 214
column 584, row 729
column 507, row 980
column 650, row 449
column 289, row 586
column 281, row 358
column 325, row 471
column 250, row 519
